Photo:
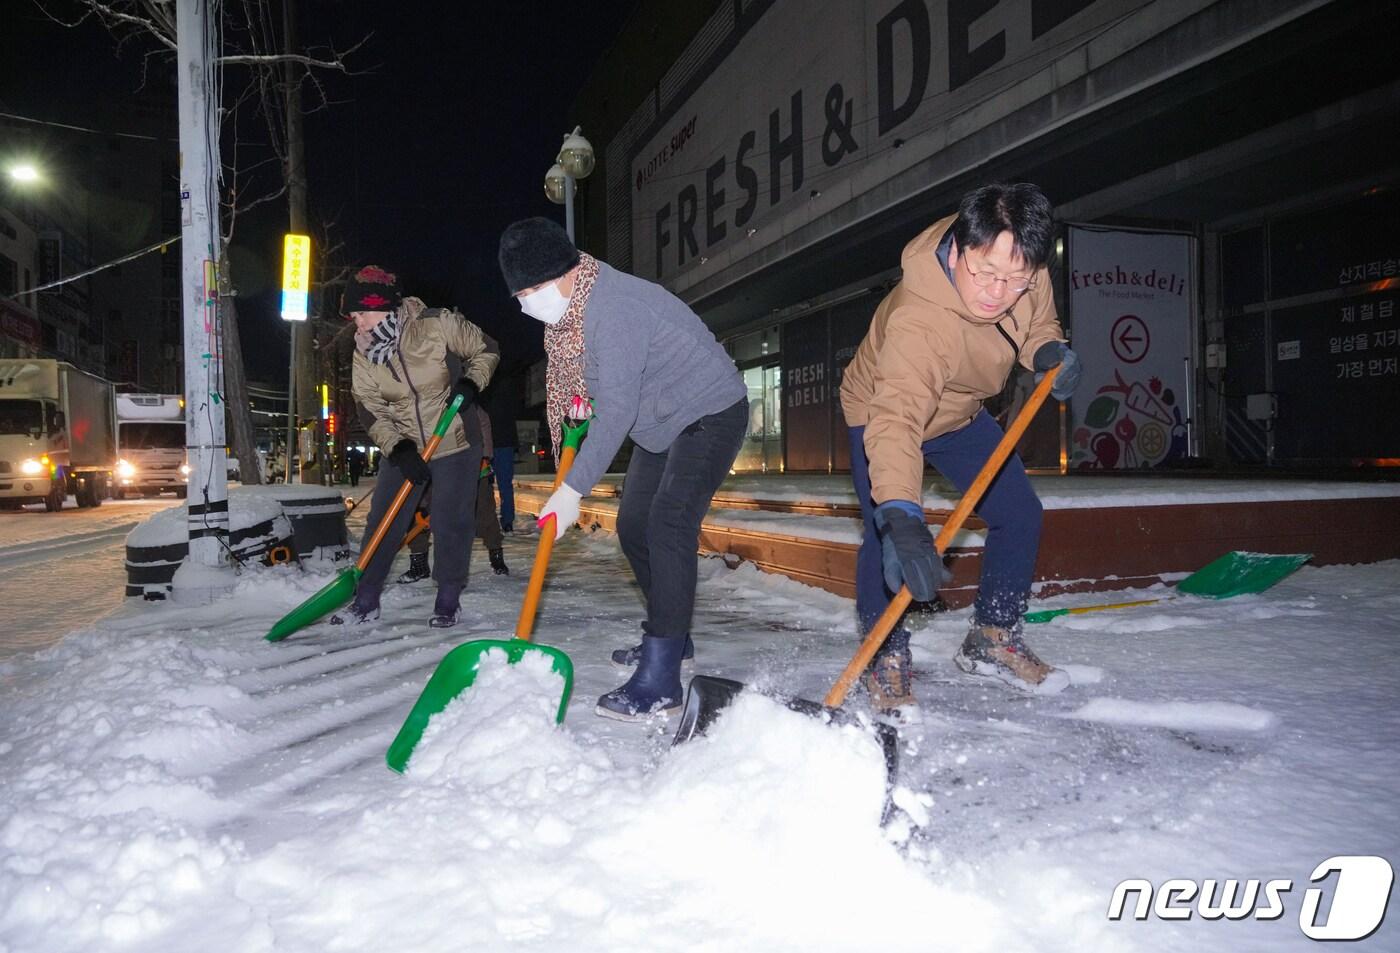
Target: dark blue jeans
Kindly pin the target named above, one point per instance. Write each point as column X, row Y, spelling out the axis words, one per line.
column 1010, row 509
column 503, row 462
column 664, row 500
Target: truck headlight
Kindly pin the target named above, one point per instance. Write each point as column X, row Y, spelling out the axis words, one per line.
column 125, row 470
column 31, row 467
column 184, row 469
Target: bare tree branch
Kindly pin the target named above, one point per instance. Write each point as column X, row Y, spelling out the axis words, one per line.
column 110, row 15
column 274, row 59
column 263, row 200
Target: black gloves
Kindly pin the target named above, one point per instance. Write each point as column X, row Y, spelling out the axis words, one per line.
column 1054, row 353
column 469, row 391
column 907, row 551
column 406, row 460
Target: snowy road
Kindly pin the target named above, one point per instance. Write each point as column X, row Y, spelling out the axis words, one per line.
column 64, row 570
column 175, row 782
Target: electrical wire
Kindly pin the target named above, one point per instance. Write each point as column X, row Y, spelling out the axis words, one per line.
column 73, row 128
column 157, row 246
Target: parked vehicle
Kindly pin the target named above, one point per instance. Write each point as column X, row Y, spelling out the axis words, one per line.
column 57, row 434
column 151, row 457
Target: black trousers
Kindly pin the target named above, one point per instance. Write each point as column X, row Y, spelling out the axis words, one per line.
column 454, row 484
column 664, row 500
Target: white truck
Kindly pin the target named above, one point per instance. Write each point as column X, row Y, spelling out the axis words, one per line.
column 57, row 434
column 151, row 456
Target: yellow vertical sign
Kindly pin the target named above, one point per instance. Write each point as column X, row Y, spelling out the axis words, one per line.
column 296, row 276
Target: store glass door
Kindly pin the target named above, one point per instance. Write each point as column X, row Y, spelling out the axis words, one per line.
column 762, row 451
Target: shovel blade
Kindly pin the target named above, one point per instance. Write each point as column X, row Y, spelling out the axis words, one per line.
column 333, row 595
column 708, row 696
column 705, row 698
column 455, row 674
column 1237, row 573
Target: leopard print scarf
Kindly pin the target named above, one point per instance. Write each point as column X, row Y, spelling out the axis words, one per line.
column 563, row 346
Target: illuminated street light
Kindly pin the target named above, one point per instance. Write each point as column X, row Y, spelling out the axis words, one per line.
column 24, row 173
column 575, row 161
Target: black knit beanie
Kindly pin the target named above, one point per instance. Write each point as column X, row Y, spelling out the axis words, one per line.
column 371, row 289
column 533, row 251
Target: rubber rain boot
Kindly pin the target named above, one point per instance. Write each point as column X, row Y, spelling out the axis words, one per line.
column 654, row 688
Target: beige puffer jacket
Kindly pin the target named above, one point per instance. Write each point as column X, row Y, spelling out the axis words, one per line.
column 928, row 363
column 407, row 395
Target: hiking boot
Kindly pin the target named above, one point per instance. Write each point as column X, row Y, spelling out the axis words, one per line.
column 417, row 568
column 446, row 607
column 358, row 613
column 1003, row 654
column 889, row 683
column 628, row 658
column 654, row 688
column 498, row 562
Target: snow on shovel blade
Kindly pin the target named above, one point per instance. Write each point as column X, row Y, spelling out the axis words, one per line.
column 330, row 597
column 455, row 675
column 457, row 670
column 709, row 695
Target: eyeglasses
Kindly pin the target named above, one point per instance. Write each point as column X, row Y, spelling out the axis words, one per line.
column 985, row 279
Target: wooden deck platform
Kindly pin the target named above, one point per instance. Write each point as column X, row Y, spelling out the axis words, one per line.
column 1100, row 534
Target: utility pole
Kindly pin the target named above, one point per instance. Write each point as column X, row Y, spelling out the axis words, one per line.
column 207, row 514
column 301, row 397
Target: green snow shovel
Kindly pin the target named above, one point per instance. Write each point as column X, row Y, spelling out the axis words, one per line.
column 457, row 671
column 708, row 695
column 341, row 589
column 1233, row 574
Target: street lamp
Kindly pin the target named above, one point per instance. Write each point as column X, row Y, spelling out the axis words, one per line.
column 575, row 161
column 24, row 173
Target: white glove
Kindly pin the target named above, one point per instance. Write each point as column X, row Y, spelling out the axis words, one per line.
column 563, row 505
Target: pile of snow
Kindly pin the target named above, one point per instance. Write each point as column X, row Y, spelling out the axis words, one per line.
column 171, row 527
column 248, row 506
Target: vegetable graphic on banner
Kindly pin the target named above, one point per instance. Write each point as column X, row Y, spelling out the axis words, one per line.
column 1129, row 424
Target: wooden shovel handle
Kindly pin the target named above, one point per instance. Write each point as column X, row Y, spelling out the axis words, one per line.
column 525, row 625
column 887, row 621
column 383, row 528
column 420, row 525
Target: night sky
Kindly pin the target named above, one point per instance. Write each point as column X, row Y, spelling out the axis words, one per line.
column 441, row 140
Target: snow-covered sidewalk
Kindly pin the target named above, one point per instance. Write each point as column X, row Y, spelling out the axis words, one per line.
column 173, row 782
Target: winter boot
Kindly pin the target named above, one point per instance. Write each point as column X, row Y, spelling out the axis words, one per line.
column 446, row 607
column 889, row 683
column 417, row 568
column 362, row 610
column 654, row 688
column 498, row 562
column 1003, row 654
column 628, row 658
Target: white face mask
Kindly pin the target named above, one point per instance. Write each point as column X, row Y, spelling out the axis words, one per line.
column 546, row 304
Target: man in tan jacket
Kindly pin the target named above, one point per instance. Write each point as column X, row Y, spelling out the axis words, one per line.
column 974, row 301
